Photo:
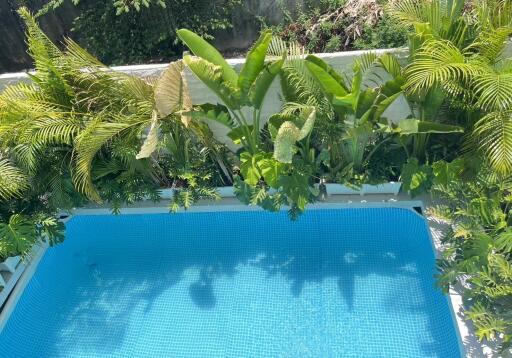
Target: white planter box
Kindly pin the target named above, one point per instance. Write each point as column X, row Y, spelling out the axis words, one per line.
column 166, row 193
column 385, row 188
column 332, row 189
column 10, row 264
column 224, row 191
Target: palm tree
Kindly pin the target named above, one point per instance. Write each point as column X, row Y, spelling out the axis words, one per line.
column 460, row 52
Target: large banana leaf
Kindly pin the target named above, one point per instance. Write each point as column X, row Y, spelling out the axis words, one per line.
column 263, row 81
column 254, row 62
column 328, row 84
column 378, row 108
column 381, row 106
column 203, row 49
column 366, row 101
column 351, row 100
column 211, row 76
column 434, row 99
column 327, row 68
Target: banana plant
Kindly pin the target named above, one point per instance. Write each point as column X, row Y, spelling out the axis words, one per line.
column 242, row 94
column 414, row 131
column 269, row 179
column 357, row 113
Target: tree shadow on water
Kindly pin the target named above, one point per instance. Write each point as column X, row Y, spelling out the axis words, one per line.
column 201, row 292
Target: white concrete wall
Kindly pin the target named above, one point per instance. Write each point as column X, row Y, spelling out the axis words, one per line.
column 341, row 61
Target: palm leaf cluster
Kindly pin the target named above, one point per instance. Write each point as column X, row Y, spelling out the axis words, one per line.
column 73, row 109
column 459, row 47
column 478, row 246
column 80, row 131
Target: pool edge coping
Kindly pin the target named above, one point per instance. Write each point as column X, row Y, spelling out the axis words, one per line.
column 464, row 331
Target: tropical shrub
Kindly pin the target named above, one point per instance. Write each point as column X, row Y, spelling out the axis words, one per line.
column 456, row 58
column 330, row 26
column 143, row 31
column 459, row 56
column 78, row 127
column 25, row 219
column 242, row 95
column 477, row 246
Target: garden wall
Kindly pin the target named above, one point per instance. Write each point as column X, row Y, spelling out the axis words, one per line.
column 341, row 61
column 58, row 24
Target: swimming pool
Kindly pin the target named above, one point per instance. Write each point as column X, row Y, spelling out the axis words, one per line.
column 335, row 283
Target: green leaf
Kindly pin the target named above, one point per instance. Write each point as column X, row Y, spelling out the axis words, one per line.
column 351, row 100
column 271, row 169
column 296, row 187
column 447, row 173
column 432, row 103
column 254, row 63
column 203, row 49
column 238, row 134
column 327, row 68
column 416, row 178
column 217, row 113
column 384, row 104
column 243, row 191
column 366, row 100
column 249, row 167
column 504, row 240
column 260, row 87
column 12, row 180
column 211, row 76
column 327, row 83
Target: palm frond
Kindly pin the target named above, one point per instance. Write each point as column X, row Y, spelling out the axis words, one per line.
column 12, row 180
column 493, row 90
column 493, row 134
column 439, row 62
column 89, row 142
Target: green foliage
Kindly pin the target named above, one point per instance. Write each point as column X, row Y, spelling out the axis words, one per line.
column 350, row 123
column 478, row 246
column 416, row 178
column 331, row 26
column 19, row 233
column 190, row 165
column 462, row 60
column 243, row 95
column 88, row 122
column 246, row 89
column 140, row 31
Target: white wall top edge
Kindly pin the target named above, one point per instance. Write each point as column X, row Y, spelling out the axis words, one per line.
column 232, row 61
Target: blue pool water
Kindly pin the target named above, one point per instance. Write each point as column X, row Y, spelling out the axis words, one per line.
column 336, row 283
